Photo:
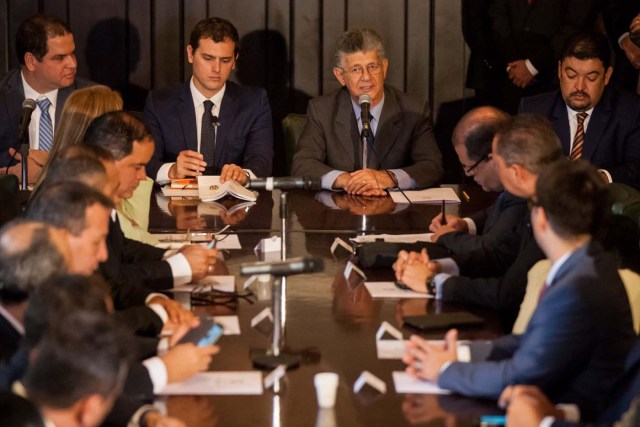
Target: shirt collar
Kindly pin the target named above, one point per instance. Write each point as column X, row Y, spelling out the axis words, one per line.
column 573, row 113
column 553, row 271
column 30, row 92
column 198, row 98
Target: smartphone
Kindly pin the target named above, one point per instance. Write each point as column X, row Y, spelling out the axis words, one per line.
column 492, row 420
column 207, row 333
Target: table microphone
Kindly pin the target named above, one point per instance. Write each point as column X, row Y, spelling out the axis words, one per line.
column 25, row 118
column 365, row 107
column 285, row 183
column 284, row 268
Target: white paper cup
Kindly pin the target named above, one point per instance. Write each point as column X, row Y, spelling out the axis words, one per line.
column 326, row 386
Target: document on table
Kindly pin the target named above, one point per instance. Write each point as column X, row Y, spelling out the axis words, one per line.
column 209, row 383
column 219, row 283
column 405, row 383
column 230, row 324
column 428, row 195
column 179, row 192
column 390, row 290
column 391, row 349
column 225, row 241
column 393, row 238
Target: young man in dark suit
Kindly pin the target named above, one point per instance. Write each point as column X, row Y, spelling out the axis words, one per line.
column 210, row 125
column 47, row 74
column 581, row 331
column 593, row 121
column 402, row 150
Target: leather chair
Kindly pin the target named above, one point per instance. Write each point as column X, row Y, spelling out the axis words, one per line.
column 625, row 201
column 292, row 127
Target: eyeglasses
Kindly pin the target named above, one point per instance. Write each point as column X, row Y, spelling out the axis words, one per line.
column 207, row 295
column 471, row 168
column 356, row 71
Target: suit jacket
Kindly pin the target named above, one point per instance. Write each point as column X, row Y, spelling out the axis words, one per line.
column 403, row 140
column 574, row 346
column 133, row 269
column 245, row 134
column 9, row 339
column 612, row 139
column 11, row 98
column 492, row 224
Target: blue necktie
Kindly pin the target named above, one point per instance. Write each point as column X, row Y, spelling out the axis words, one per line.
column 46, row 127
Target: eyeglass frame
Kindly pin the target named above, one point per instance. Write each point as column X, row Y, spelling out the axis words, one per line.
column 474, row 166
column 378, row 68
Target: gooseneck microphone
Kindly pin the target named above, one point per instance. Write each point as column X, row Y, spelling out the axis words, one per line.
column 215, row 121
column 25, row 118
column 284, row 268
column 285, row 183
column 365, row 108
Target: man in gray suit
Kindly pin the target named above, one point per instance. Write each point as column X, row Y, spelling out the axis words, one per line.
column 47, row 74
column 401, row 150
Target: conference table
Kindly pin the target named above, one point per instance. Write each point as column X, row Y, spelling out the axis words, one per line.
column 330, row 324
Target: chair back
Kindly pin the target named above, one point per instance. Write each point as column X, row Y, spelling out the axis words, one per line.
column 292, row 127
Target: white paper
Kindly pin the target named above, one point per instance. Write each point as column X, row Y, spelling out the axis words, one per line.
column 390, row 290
column 429, row 195
column 266, row 313
column 350, row 267
column 231, row 324
column 405, row 383
column 391, row 349
column 270, row 244
column 219, row 283
column 209, row 383
column 393, row 238
column 339, row 242
column 367, row 377
column 225, row 241
column 390, row 329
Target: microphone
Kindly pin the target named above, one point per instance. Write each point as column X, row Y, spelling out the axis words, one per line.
column 215, row 122
column 285, row 183
column 365, row 107
column 283, row 268
column 25, row 118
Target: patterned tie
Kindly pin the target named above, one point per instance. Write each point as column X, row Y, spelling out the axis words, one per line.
column 578, row 140
column 208, row 135
column 46, row 127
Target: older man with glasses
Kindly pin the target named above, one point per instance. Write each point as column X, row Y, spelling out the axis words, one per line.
column 392, row 146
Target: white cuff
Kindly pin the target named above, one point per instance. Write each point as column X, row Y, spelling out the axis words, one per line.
column 471, row 226
column 157, row 373
column 405, row 182
column 622, row 37
column 607, row 174
column 534, row 72
column 163, row 346
column 547, row 421
column 329, row 178
column 162, row 177
column 438, row 281
column 180, row 269
column 449, row 266
column 160, row 311
column 135, row 419
column 571, row 412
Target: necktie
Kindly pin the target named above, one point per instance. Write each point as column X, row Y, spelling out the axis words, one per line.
column 46, row 127
column 578, row 140
column 368, row 149
column 208, row 135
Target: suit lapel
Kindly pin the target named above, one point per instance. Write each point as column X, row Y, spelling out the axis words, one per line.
column 15, row 97
column 388, row 128
column 344, row 121
column 226, row 115
column 187, row 113
column 560, row 122
column 575, row 259
column 597, row 125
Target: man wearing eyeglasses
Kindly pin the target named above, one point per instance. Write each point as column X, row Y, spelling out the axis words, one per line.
column 401, row 151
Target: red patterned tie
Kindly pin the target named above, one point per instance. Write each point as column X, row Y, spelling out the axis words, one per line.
column 578, row 140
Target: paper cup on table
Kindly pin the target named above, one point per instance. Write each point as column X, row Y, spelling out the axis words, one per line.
column 326, row 386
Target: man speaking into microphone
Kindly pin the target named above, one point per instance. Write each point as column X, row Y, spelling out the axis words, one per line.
column 367, row 136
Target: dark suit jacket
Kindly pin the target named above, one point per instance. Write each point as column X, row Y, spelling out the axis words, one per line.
column 133, row 269
column 11, row 98
column 404, row 138
column 492, row 224
column 575, row 345
column 9, row 339
column 245, row 134
column 612, row 140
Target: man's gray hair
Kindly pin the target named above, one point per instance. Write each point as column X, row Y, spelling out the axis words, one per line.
column 358, row 40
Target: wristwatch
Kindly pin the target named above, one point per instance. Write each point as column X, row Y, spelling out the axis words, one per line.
column 431, row 285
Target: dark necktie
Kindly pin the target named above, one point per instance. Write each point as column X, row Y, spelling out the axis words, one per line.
column 208, row 135
column 578, row 140
column 368, row 150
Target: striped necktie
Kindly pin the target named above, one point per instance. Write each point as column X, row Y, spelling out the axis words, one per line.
column 578, row 140
column 46, row 126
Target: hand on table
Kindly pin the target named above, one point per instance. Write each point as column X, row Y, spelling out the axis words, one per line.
column 201, row 260
column 527, row 406
column 413, row 269
column 185, row 360
column 189, row 163
column 233, row 172
column 425, row 360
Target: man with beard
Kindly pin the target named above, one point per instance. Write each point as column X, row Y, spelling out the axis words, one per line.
column 592, row 120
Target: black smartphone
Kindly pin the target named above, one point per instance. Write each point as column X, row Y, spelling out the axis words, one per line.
column 207, row 333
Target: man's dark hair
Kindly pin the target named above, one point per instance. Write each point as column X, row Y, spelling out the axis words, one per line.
column 34, row 33
column 477, row 129
column 528, row 140
column 358, row 40
column 217, row 29
column 60, row 297
column 26, row 265
column 116, row 132
column 64, row 205
column 574, row 198
column 587, row 45
column 85, row 353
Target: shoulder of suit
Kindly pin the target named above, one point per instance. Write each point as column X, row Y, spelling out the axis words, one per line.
column 239, row 90
column 541, row 100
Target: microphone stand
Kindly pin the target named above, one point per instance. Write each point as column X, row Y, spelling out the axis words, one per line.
column 364, row 137
column 24, row 153
column 272, row 358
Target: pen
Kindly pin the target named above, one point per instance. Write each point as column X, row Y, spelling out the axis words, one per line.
column 444, row 218
column 212, row 244
column 466, row 196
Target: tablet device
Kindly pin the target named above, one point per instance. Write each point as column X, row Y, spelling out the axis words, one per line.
column 207, row 333
column 441, row 321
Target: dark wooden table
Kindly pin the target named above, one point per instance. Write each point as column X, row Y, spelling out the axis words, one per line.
column 328, row 324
